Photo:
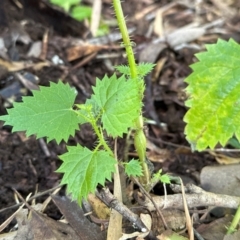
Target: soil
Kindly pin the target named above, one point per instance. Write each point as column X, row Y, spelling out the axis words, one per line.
column 27, row 164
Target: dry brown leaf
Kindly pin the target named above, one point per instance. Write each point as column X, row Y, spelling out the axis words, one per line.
column 158, row 68
column 24, row 229
column 174, row 218
column 115, row 222
column 79, row 51
column 214, row 230
column 156, row 154
column 224, row 159
column 43, row 227
column 115, row 226
column 75, row 216
column 99, row 208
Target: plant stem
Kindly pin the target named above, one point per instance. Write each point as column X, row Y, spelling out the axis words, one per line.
column 101, row 138
column 234, row 222
column 93, row 121
column 125, row 36
column 139, row 138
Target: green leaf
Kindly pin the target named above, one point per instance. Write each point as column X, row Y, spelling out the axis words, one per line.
column 171, row 235
column 124, row 69
column 65, row 4
column 81, row 12
column 234, row 142
column 133, row 168
column 145, row 68
column 48, row 113
column 84, row 170
column 103, row 30
column 164, row 178
column 119, row 102
column 142, row 68
column 214, row 87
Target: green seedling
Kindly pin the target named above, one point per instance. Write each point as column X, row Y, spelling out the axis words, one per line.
column 76, row 10
column 114, row 107
column 214, row 87
column 133, row 168
column 79, row 12
column 164, row 178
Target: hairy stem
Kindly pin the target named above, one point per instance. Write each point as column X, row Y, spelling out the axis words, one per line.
column 235, row 222
column 125, row 36
column 139, row 138
column 101, row 137
column 93, row 121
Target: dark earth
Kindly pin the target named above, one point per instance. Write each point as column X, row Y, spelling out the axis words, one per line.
column 27, row 164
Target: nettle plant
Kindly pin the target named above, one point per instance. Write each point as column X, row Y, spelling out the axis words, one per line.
column 114, row 107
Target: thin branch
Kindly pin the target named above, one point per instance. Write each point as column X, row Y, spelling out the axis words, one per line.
column 31, row 198
column 197, row 198
column 150, row 198
column 105, row 196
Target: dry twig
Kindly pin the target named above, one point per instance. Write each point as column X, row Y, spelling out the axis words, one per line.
column 196, row 198
column 105, row 195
